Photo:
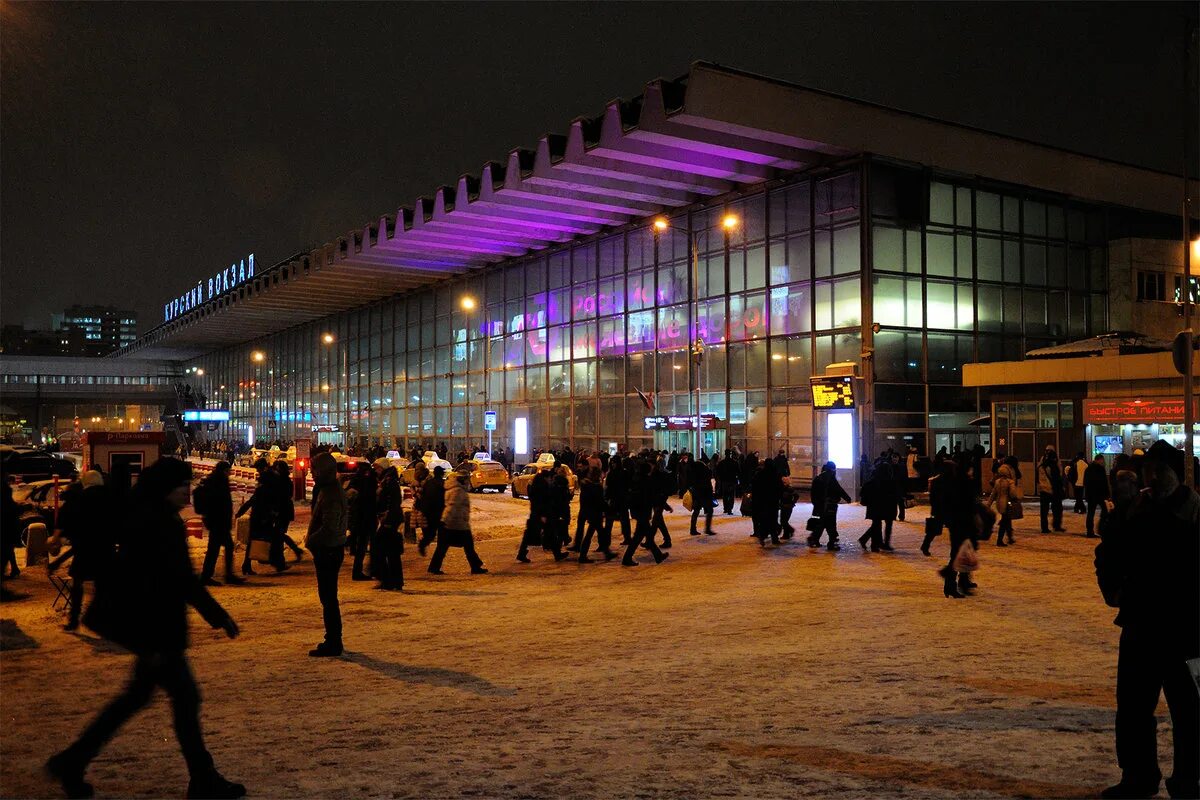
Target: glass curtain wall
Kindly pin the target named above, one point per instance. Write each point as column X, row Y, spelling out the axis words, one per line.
column 963, row 271
column 566, row 338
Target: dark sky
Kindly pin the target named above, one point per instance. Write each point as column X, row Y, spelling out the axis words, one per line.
column 144, row 147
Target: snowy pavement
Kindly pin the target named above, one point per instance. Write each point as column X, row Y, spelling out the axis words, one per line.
column 728, row 671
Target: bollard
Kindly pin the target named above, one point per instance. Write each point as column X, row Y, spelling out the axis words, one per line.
column 35, row 543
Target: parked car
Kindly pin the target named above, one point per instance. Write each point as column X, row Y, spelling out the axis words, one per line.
column 36, row 465
column 521, row 481
column 487, row 474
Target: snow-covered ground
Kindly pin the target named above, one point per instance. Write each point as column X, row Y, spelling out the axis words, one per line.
column 728, row 671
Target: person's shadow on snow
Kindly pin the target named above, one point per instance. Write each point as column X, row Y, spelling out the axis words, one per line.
column 435, row 676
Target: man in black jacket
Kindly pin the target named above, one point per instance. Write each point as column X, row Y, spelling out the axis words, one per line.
column 142, row 604
column 727, row 472
column 1095, row 492
column 616, row 498
column 214, row 502
column 1146, row 567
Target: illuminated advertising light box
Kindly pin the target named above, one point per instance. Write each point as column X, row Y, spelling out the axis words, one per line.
column 833, row 393
column 205, row 415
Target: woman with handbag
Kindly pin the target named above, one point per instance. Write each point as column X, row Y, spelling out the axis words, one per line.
column 938, row 489
column 826, row 494
column 1006, row 500
column 958, row 514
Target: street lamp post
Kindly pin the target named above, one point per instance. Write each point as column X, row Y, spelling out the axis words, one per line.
column 469, row 304
column 328, row 339
column 729, row 223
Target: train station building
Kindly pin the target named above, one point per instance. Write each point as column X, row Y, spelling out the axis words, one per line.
column 722, row 239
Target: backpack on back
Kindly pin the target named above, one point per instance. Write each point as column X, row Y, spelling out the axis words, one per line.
column 200, row 497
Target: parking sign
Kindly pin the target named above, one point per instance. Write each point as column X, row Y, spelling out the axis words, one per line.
column 489, row 420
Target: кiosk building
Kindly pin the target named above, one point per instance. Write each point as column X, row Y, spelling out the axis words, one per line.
column 830, row 237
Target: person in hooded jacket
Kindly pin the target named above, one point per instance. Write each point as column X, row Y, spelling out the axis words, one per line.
column 141, row 603
column 386, row 551
column 364, row 489
column 86, row 520
column 1146, row 568
column 217, row 513
column 326, row 541
column 456, row 525
column 661, row 483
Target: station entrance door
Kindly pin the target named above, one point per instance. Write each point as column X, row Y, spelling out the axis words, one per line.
column 711, row 441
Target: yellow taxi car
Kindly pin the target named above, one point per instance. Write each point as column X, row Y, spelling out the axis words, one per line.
column 487, row 474
column 431, row 459
column 521, row 481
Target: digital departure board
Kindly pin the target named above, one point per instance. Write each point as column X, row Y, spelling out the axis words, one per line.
column 832, row 393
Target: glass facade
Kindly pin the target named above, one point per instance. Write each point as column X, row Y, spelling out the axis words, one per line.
column 950, row 270
column 964, row 271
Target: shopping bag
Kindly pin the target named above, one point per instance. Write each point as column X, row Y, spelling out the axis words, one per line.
column 260, row 550
column 687, row 499
column 243, row 530
column 933, row 526
column 813, row 525
column 747, row 506
column 967, row 559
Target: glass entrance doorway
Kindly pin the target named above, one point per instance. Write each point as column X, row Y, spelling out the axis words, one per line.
column 711, row 441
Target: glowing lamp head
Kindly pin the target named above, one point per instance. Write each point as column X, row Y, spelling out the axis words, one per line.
column 661, row 224
column 467, row 303
column 729, row 222
column 258, row 356
column 327, row 338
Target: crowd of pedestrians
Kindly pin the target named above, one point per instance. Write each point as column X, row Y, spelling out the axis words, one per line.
column 1139, row 510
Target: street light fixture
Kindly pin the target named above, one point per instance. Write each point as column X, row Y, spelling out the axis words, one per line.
column 729, row 223
column 328, row 339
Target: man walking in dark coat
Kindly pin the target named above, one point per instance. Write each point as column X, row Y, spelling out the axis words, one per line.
column 432, row 501
column 727, row 472
column 1095, row 493
column 826, row 494
column 616, row 498
column 213, row 500
column 1146, row 567
column 700, row 485
column 363, row 521
column 141, row 604
column 539, row 528
column 642, row 498
column 86, row 520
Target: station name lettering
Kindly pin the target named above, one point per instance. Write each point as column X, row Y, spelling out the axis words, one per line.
column 229, row 278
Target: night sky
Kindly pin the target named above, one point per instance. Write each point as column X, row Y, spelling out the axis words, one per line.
column 144, row 147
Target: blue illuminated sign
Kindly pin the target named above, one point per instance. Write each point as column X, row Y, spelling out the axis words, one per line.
column 205, row 415
column 228, row 278
column 489, row 420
